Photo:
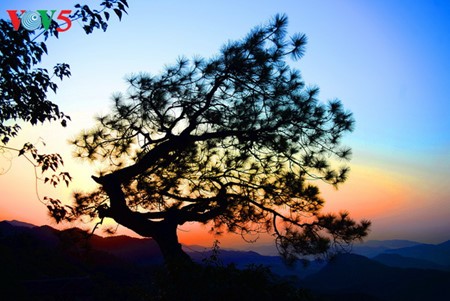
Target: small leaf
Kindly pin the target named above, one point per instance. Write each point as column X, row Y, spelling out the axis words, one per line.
column 124, row 2
column 118, row 13
column 44, row 47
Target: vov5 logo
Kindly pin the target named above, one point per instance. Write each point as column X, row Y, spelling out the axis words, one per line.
column 32, row 20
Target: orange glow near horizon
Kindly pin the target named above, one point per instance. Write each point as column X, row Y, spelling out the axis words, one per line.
column 376, row 192
column 369, row 193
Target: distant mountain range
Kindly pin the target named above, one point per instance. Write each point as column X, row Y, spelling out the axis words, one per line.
column 39, row 259
column 372, row 248
column 406, row 254
column 20, row 224
column 145, row 252
column 355, row 277
column 439, row 254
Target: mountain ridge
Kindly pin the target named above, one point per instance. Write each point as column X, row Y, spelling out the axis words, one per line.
column 351, row 274
column 41, row 257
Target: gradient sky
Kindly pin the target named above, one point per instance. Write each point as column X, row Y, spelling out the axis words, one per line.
column 388, row 61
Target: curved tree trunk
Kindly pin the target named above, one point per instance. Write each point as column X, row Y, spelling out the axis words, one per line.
column 167, row 240
column 164, row 232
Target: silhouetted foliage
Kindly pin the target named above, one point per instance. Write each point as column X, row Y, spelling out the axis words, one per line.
column 225, row 283
column 23, row 85
column 235, row 140
column 24, row 88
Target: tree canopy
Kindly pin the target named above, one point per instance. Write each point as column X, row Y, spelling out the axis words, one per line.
column 236, row 141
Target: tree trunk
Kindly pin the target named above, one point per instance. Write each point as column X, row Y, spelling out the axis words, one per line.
column 164, row 232
column 167, row 240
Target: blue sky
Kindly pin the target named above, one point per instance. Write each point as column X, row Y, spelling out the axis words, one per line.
column 388, row 61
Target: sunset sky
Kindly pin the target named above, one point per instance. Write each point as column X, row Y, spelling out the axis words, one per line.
column 388, row 61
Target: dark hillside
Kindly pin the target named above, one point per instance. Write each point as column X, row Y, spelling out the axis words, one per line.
column 439, row 254
column 42, row 263
column 350, row 274
column 395, row 260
